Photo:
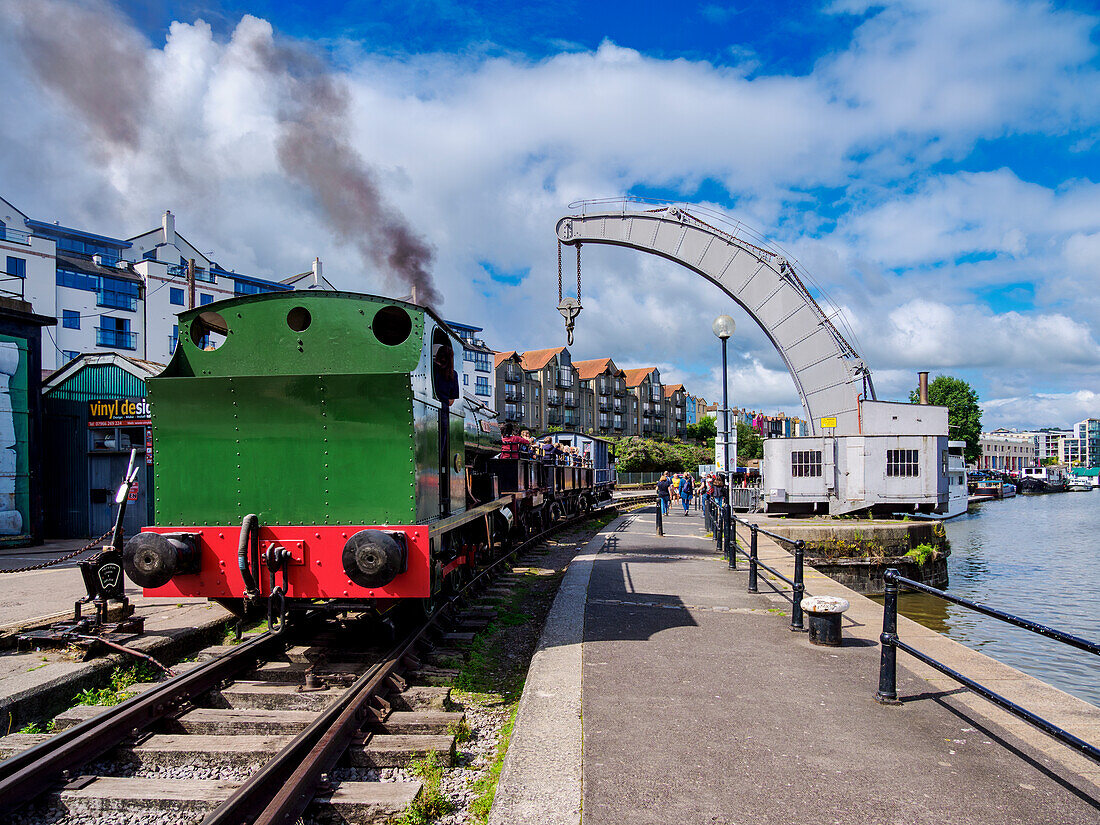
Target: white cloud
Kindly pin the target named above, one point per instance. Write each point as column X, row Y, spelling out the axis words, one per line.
column 483, row 155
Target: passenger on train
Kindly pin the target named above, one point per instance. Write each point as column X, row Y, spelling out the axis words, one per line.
column 513, row 445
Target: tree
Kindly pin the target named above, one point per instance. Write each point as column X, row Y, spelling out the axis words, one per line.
column 707, row 427
column 749, row 443
column 964, row 416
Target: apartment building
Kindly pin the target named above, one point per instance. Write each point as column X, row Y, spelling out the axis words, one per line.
column 1007, row 451
column 779, row 425
column 477, row 368
column 546, row 388
column 112, row 294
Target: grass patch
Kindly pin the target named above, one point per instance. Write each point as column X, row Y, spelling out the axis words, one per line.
column 431, row 804
column 33, row 727
column 485, row 787
column 922, row 553
column 461, row 731
column 252, row 629
column 116, row 690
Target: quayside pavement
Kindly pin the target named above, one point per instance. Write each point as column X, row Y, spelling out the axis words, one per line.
column 663, row 692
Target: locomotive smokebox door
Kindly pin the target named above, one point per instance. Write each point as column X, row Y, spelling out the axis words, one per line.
column 103, row 575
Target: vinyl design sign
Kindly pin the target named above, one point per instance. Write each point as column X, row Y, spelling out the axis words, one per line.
column 118, row 411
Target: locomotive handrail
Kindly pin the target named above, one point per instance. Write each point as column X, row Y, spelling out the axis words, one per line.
column 451, row 522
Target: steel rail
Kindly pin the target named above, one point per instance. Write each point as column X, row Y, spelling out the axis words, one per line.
column 282, row 790
column 29, row 773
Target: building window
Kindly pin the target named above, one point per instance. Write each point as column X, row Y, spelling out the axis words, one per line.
column 70, row 354
column 77, row 280
column 149, row 254
column 902, row 463
column 249, row 288
column 70, row 319
column 805, row 463
column 115, row 293
column 481, row 362
column 173, row 339
column 465, row 380
column 481, row 386
column 114, row 333
column 175, row 296
column 205, row 299
column 467, row 354
column 17, row 267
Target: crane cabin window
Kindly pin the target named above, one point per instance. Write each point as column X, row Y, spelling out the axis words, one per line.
column 902, row 463
column 805, row 463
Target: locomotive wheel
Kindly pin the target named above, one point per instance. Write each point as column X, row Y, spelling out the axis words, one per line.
column 554, row 513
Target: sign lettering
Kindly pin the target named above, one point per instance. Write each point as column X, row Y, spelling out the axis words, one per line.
column 118, row 411
column 828, row 422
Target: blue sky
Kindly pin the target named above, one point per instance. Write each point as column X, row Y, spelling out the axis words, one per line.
column 935, row 164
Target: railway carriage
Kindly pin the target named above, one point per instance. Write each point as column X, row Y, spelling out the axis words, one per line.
column 310, row 451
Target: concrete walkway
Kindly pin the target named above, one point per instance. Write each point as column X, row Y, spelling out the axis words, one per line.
column 699, row 705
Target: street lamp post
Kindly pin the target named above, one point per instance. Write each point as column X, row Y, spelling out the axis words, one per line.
column 723, row 327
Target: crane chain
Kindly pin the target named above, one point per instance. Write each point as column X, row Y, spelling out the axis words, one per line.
column 559, row 272
column 95, row 543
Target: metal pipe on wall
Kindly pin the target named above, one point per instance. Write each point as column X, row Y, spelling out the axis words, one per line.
column 923, row 377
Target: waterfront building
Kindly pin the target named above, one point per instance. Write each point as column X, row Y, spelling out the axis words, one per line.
column 1047, row 442
column 603, row 392
column 1088, row 434
column 113, row 294
column 779, row 425
column 477, row 369
column 1007, row 451
column 646, row 408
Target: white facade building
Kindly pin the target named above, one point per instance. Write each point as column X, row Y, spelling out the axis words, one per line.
column 115, row 295
column 1007, row 451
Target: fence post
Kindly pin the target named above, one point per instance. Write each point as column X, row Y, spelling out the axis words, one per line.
column 660, row 522
column 752, row 560
column 717, row 529
column 799, row 587
column 888, row 664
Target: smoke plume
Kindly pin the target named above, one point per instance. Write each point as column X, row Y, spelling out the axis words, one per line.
column 314, row 149
column 86, row 53
column 89, row 55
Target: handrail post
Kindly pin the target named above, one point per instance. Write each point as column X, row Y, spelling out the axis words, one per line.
column 752, row 560
column 888, row 664
column 726, row 551
column 799, row 587
column 733, row 542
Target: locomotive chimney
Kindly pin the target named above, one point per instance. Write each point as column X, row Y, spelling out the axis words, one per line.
column 923, row 377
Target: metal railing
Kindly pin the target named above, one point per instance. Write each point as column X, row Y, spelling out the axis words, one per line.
column 119, row 339
column 17, row 285
column 797, row 548
column 14, row 235
column 891, row 643
column 513, row 375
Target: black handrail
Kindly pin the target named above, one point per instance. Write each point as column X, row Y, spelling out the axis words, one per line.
column 797, row 546
column 891, row 643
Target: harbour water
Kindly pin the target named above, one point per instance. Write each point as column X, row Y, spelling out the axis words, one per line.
column 1034, row 556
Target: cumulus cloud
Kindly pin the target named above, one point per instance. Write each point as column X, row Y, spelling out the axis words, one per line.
column 483, row 154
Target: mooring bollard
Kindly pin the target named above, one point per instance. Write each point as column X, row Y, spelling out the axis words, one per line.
column 660, row 521
column 799, row 587
column 825, row 614
column 752, row 559
column 888, row 664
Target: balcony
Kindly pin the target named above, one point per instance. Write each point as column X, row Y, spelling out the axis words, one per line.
column 620, row 406
column 115, row 338
column 564, row 379
column 553, row 397
column 513, row 394
column 14, row 235
column 658, row 412
column 620, row 388
column 655, row 393
column 553, row 416
column 115, row 300
column 605, row 404
column 604, row 388
column 513, row 414
column 570, row 400
column 180, row 271
column 570, row 420
column 618, row 423
column 513, row 375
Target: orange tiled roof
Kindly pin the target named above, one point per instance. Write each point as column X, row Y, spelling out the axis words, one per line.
column 595, row 366
column 636, row 376
column 536, row 359
column 670, row 389
column 500, row 357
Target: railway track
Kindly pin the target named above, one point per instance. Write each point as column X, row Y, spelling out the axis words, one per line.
column 255, row 732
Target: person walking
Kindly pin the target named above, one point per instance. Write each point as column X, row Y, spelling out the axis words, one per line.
column 664, row 486
column 687, row 490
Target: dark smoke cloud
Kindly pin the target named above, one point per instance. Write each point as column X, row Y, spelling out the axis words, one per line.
column 86, row 53
column 98, row 63
column 314, row 148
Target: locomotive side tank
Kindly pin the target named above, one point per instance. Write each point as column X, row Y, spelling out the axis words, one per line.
column 324, row 418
